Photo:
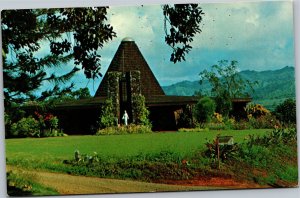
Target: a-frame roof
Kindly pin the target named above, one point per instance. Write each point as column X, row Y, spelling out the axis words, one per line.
column 127, row 58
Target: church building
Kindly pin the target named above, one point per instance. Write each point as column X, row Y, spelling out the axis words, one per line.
column 128, row 74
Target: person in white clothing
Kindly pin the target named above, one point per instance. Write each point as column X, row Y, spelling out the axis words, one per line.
column 125, row 118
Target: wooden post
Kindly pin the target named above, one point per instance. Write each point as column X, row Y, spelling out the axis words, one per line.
column 218, row 152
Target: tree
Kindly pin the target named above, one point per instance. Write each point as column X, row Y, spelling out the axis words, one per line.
column 204, row 110
column 184, row 21
column 226, row 84
column 72, row 33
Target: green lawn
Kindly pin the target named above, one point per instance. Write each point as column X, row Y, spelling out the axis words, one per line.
column 60, row 148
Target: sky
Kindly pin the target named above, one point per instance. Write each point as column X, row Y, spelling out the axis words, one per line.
column 259, row 35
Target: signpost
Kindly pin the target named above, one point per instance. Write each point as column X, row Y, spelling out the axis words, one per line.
column 222, row 140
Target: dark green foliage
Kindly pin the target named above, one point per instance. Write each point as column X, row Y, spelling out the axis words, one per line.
column 139, row 110
column 25, row 31
column 81, row 93
column 223, row 103
column 26, row 127
column 113, row 92
column 184, row 21
column 186, row 119
column 204, row 110
column 107, row 117
column 286, row 111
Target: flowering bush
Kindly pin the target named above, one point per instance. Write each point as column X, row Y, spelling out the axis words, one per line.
column 47, row 121
column 264, row 122
column 256, row 110
column 218, row 118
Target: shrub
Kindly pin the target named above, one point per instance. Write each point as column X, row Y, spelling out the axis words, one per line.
column 185, row 118
column 147, row 167
column 48, row 124
column 215, row 126
column 275, row 137
column 286, row 111
column 204, row 110
column 26, row 127
column 256, row 110
column 229, row 123
column 107, row 117
column 264, row 122
column 242, row 125
column 256, row 155
column 130, row 129
column 197, row 129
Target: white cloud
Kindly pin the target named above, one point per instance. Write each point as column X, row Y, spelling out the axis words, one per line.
column 138, row 22
column 244, row 25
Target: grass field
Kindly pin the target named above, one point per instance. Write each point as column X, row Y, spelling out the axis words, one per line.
column 60, row 148
column 154, row 157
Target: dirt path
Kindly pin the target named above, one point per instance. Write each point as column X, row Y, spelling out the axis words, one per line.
column 220, row 182
column 67, row 184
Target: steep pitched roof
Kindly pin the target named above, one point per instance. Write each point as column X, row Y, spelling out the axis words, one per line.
column 127, row 58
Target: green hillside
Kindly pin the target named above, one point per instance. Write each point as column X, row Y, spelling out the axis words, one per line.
column 274, row 86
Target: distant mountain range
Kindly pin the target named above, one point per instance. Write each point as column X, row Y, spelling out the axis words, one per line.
column 274, row 86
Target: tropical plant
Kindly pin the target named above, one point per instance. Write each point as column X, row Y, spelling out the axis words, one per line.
column 220, row 152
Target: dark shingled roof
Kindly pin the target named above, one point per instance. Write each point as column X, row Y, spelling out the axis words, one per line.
column 127, row 58
column 150, row 101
